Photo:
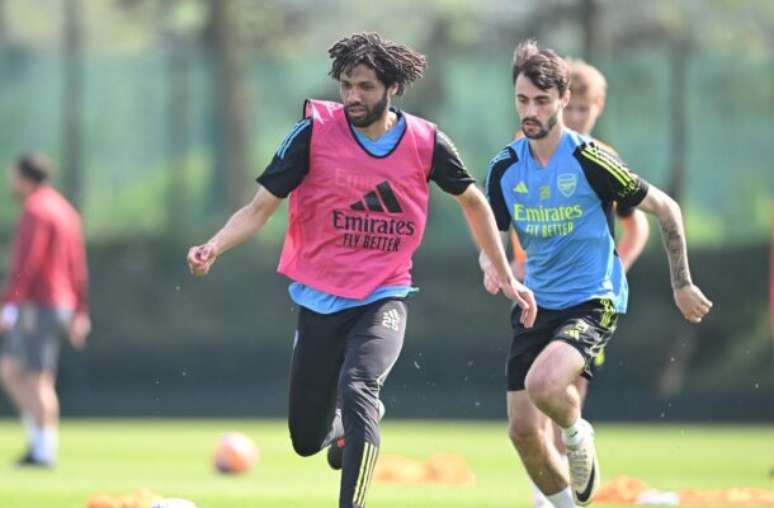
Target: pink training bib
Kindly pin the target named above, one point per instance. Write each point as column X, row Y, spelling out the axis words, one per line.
column 355, row 220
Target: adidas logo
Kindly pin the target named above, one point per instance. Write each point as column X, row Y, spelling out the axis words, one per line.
column 521, row 188
column 391, row 320
column 373, row 202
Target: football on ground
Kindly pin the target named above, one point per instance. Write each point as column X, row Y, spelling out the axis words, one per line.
column 173, row 503
column 235, row 453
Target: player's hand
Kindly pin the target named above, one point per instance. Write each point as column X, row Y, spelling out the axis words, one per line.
column 491, row 283
column 692, row 303
column 80, row 327
column 201, row 258
column 524, row 298
column 511, row 288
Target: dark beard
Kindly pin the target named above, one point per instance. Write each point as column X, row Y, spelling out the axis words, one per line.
column 544, row 129
column 372, row 115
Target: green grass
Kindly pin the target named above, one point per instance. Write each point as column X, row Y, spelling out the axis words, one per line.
column 172, row 457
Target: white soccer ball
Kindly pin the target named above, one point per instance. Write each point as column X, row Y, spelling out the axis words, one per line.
column 173, row 503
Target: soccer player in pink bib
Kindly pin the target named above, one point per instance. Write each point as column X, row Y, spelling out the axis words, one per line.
column 357, row 175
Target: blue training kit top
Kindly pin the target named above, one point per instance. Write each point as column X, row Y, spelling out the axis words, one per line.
column 562, row 214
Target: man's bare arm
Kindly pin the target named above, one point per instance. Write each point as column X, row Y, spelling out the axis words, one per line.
column 244, row 223
column 689, row 298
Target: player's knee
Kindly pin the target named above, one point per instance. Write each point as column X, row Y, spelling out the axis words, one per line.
column 9, row 372
column 304, row 446
column 305, row 437
column 6, row 373
column 524, row 433
column 541, row 387
column 305, row 449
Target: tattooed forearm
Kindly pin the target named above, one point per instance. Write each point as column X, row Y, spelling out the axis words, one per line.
column 674, row 243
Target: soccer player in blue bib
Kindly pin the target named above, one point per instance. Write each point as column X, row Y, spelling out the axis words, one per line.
column 556, row 189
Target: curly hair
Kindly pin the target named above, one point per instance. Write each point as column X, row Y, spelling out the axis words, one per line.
column 543, row 67
column 392, row 62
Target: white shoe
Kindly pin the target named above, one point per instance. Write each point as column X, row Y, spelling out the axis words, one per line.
column 584, row 467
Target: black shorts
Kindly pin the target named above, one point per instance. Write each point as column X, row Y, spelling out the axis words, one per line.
column 34, row 340
column 587, row 327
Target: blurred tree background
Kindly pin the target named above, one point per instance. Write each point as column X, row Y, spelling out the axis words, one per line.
column 161, row 113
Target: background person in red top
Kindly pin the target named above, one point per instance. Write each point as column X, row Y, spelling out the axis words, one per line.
column 45, row 298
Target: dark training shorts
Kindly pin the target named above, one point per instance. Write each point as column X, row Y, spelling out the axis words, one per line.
column 587, row 327
column 35, row 339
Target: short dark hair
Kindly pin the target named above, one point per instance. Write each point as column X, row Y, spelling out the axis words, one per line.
column 543, row 67
column 392, row 62
column 35, row 166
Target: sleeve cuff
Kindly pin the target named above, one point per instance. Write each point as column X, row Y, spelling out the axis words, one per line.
column 635, row 199
column 274, row 192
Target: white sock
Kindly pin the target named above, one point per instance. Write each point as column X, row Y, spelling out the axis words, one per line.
column 29, row 425
column 44, row 448
column 37, row 443
column 562, row 499
column 540, row 499
column 575, row 433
